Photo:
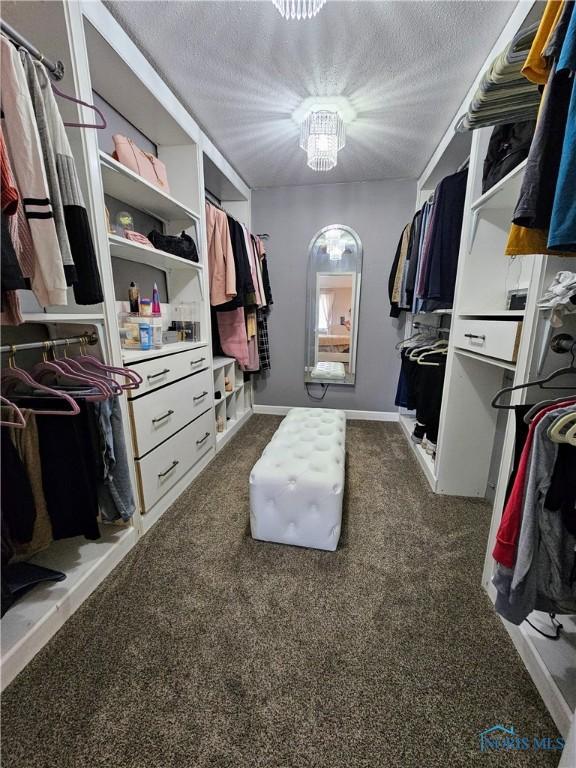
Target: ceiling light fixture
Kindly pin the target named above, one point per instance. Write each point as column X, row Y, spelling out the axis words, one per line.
column 322, row 136
column 298, row 9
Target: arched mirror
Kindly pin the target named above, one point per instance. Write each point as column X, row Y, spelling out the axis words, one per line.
column 333, row 303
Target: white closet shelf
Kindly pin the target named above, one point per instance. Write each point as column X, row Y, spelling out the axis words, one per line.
column 138, row 355
column 424, row 459
column 221, row 362
column 504, row 194
column 505, row 313
column 484, row 359
column 232, row 426
column 121, row 248
column 62, row 317
column 37, row 616
column 125, row 185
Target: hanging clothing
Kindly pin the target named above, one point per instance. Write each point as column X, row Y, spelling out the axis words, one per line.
column 544, row 573
column 21, row 133
column 442, row 263
column 562, row 234
column 245, row 294
column 18, row 508
column 263, row 340
column 536, row 67
column 49, row 164
column 504, row 551
column 221, row 265
column 115, row 488
column 232, row 334
column 69, row 470
column 88, row 286
column 27, row 445
column 397, row 266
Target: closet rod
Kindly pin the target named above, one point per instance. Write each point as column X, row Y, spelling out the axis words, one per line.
column 436, row 328
column 87, row 338
column 56, row 69
column 463, row 165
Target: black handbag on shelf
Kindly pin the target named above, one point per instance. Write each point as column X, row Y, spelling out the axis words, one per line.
column 509, row 145
column 178, row 245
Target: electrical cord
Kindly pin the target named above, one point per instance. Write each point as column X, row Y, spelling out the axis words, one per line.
column 313, row 397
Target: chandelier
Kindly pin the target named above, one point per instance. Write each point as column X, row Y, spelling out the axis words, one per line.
column 298, row 9
column 322, row 136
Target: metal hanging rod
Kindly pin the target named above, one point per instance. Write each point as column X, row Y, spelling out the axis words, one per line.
column 264, row 236
column 55, row 69
column 87, row 338
column 418, row 324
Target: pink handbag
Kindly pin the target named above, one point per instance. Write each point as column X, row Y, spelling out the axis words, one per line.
column 148, row 166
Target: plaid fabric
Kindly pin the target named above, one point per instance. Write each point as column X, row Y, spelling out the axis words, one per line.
column 263, row 341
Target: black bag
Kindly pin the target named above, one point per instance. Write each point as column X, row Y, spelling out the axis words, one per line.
column 509, row 145
column 178, row 245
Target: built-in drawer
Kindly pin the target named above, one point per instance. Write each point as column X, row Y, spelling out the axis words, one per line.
column 160, row 371
column 160, row 414
column 493, row 338
column 166, row 464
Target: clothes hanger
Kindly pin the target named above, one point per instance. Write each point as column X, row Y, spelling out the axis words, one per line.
column 556, row 431
column 10, row 375
column 21, row 423
column 537, row 407
column 567, row 371
column 76, row 366
column 46, row 367
column 74, row 100
column 93, row 362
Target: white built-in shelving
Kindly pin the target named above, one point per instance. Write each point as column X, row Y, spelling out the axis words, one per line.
column 472, row 439
column 122, row 248
column 99, row 56
column 233, row 407
column 123, row 184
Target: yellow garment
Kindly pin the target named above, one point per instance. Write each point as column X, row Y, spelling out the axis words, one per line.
column 525, row 242
column 536, row 67
column 251, row 325
column 401, row 260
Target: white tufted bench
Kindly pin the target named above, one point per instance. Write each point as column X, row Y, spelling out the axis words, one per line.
column 297, row 486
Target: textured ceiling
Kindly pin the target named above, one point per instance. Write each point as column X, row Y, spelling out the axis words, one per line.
column 242, row 70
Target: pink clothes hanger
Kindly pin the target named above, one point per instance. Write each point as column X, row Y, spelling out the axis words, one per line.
column 9, row 376
column 73, row 365
column 74, row 100
column 21, row 423
column 128, row 373
column 42, row 369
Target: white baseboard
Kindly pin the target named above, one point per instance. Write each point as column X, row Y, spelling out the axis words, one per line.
column 282, row 410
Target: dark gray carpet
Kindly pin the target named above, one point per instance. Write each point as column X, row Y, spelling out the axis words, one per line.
column 205, row 648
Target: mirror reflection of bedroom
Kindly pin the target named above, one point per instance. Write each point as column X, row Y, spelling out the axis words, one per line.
column 335, row 297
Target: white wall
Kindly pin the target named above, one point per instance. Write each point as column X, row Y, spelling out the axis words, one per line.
column 291, row 216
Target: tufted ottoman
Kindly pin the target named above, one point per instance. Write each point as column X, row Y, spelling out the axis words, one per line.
column 297, row 486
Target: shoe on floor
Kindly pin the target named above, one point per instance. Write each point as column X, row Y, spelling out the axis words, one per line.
column 419, row 432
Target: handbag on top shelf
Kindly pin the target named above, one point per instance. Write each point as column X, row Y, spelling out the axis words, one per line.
column 144, row 164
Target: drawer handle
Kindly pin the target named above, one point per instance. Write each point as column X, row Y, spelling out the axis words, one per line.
column 170, row 468
column 161, row 418
column 199, row 442
column 195, row 362
column 474, row 336
column 199, row 397
column 160, row 373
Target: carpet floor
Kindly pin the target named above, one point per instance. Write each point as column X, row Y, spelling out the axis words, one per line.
column 207, row 649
